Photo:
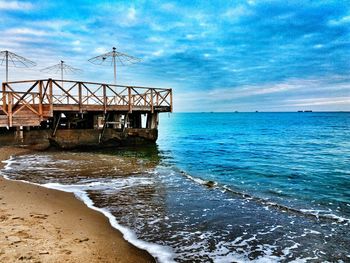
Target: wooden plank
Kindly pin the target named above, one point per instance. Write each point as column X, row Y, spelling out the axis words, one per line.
column 119, row 95
column 10, row 110
column 129, row 94
column 86, row 82
column 51, row 98
column 4, row 96
column 79, row 95
column 152, row 109
column 45, row 92
column 104, row 98
column 92, row 94
column 9, row 87
column 43, row 104
column 25, row 104
column 171, row 100
column 41, row 99
column 27, row 92
column 64, row 91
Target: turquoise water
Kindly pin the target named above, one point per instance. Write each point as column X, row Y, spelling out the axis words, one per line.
column 281, row 187
column 297, row 159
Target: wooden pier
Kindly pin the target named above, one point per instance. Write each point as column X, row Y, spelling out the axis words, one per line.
column 55, row 105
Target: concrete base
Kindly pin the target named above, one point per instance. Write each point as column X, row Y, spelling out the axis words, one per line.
column 81, row 138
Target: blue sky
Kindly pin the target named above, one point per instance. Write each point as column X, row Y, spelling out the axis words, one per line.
column 216, row 55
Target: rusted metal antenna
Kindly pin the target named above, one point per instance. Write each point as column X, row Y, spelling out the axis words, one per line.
column 9, row 59
column 61, row 67
column 113, row 58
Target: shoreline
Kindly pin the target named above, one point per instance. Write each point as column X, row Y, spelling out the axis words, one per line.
column 39, row 224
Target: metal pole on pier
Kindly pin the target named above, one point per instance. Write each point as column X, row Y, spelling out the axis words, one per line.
column 62, row 71
column 113, row 58
column 63, row 68
column 7, row 65
column 9, row 59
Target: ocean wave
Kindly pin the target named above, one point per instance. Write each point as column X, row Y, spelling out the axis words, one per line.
column 241, row 247
column 318, row 214
column 160, row 253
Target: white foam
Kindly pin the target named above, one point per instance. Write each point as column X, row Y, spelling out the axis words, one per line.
column 287, row 250
column 326, row 214
column 8, row 164
column 164, row 253
column 311, row 212
column 195, row 179
column 160, row 253
column 221, row 256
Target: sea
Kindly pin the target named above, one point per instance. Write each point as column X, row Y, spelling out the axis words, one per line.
column 218, row 187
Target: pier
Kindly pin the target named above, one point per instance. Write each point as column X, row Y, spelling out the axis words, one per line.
column 77, row 112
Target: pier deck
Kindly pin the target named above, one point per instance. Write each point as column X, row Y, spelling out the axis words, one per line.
column 31, row 102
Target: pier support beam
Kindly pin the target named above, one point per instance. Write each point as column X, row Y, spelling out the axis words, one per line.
column 152, row 120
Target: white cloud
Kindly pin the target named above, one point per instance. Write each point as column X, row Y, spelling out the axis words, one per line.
column 318, row 46
column 52, row 24
column 319, row 101
column 15, row 40
column 155, row 39
column 251, row 2
column 195, row 36
column 234, row 14
column 77, row 49
column 15, row 5
column 131, row 16
column 128, row 17
column 168, row 6
column 235, row 94
column 158, row 53
column 193, row 101
column 341, row 21
column 221, row 94
column 248, row 91
column 26, row 31
column 167, row 26
column 100, row 50
column 156, row 27
column 36, row 32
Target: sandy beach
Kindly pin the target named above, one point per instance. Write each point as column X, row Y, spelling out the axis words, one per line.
column 44, row 225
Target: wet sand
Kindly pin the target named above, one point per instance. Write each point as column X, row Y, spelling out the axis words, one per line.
column 45, row 225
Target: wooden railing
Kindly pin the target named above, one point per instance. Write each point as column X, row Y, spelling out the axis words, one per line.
column 42, row 96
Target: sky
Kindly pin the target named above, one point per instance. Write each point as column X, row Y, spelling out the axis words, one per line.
column 216, row 55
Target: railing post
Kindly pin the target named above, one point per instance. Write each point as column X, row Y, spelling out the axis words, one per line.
column 80, row 97
column 152, row 110
column 104, row 98
column 50, row 97
column 4, row 95
column 40, row 100
column 129, row 94
column 171, row 100
column 10, row 110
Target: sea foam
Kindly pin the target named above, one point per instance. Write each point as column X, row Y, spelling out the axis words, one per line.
column 160, row 253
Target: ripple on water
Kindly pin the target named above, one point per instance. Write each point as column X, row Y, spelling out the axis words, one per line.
column 173, row 210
